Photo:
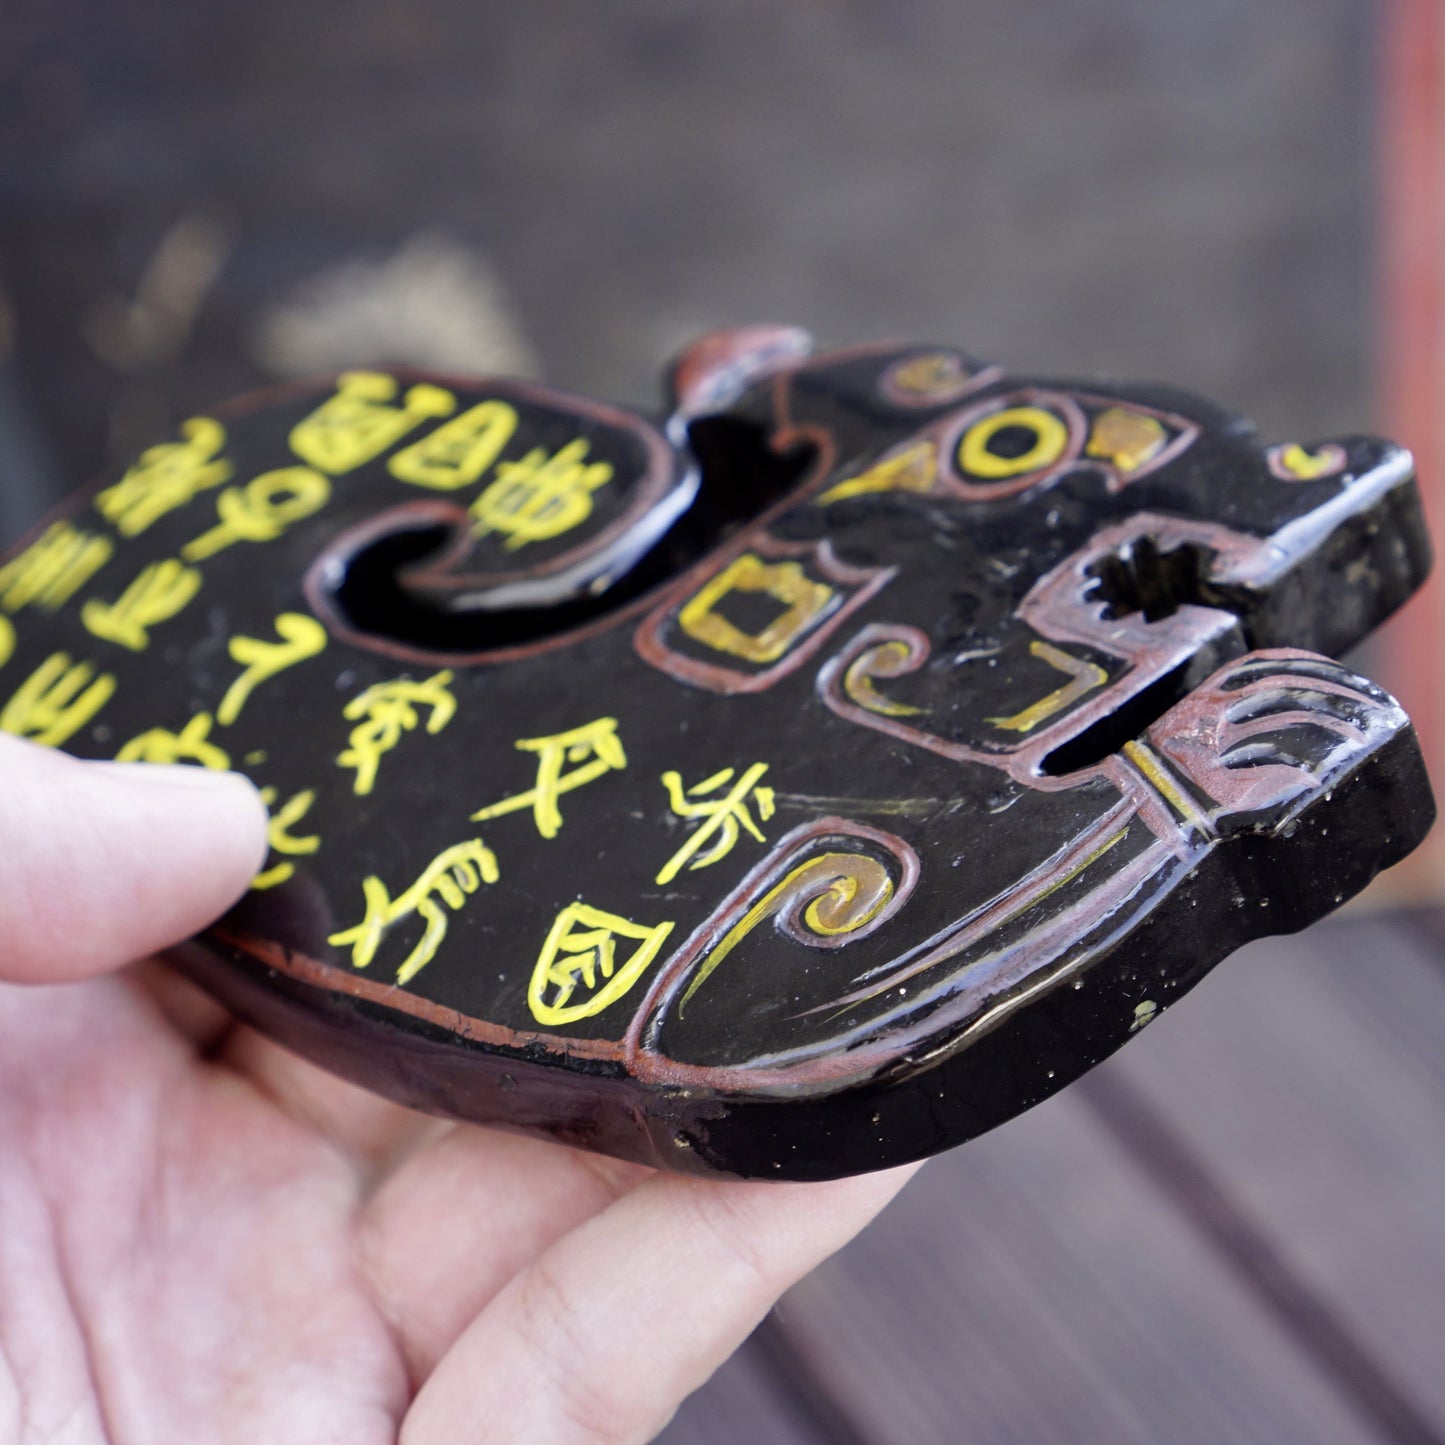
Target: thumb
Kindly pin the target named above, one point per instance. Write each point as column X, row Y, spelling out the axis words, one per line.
column 103, row 863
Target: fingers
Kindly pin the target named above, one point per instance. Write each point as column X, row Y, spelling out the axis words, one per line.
column 443, row 1235
column 103, row 863
column 603, row 1335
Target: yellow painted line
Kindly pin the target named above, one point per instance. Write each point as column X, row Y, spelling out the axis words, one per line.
column 1154, row 770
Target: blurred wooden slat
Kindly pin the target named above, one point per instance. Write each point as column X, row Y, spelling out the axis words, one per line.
column 1309, row 1075
column 1234, row 1232
column 1035, row 1286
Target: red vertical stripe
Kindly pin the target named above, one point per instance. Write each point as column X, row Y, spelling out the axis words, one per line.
column 1411, row 354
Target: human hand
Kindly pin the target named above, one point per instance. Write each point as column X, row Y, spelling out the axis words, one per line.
column 204, row 1238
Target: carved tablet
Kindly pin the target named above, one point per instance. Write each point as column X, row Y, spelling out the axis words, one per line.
column 794, row 786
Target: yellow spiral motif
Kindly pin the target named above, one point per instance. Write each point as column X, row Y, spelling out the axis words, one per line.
column 819, row 904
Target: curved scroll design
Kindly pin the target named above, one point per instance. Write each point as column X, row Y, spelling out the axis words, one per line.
column 848, row 684
column 879, row 653
column 826, row 885
column 1264, row 735
column 823, row 903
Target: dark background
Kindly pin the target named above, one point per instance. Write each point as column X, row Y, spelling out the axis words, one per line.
column 1162, row 191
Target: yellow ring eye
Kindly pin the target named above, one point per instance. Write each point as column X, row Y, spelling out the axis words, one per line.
column 1051, row 437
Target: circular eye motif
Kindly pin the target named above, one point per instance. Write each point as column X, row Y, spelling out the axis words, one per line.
column 1007, row 445
column 1015, row 440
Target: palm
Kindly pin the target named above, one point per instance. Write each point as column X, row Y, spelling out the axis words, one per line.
column 210, row 1239
column 199, row 1242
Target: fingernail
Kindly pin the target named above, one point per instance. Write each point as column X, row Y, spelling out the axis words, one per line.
column 230, row 800
column 175, row 775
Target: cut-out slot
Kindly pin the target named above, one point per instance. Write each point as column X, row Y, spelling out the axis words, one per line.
column 1108, row 736
column 377, row 591
column 1141, row 578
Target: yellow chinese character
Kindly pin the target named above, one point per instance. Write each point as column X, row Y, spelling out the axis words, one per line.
column 301, row 637
column 581, row 949
column 167, row 477
column 281, row 838
column 458, row 451
column 540, row 497
column 56, row 701
column 452, row 875
column 595, row 740
column 261, row 510
column 53, row 568
column 725, row 814
column 7, row 640
column 160, row 592
column 191, row 745
column 386, row 710
column 360, row 422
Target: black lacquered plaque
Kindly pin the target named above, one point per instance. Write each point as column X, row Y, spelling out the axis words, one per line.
column 796, row 784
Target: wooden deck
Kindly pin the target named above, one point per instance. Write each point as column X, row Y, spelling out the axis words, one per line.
column 1233, row 1231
